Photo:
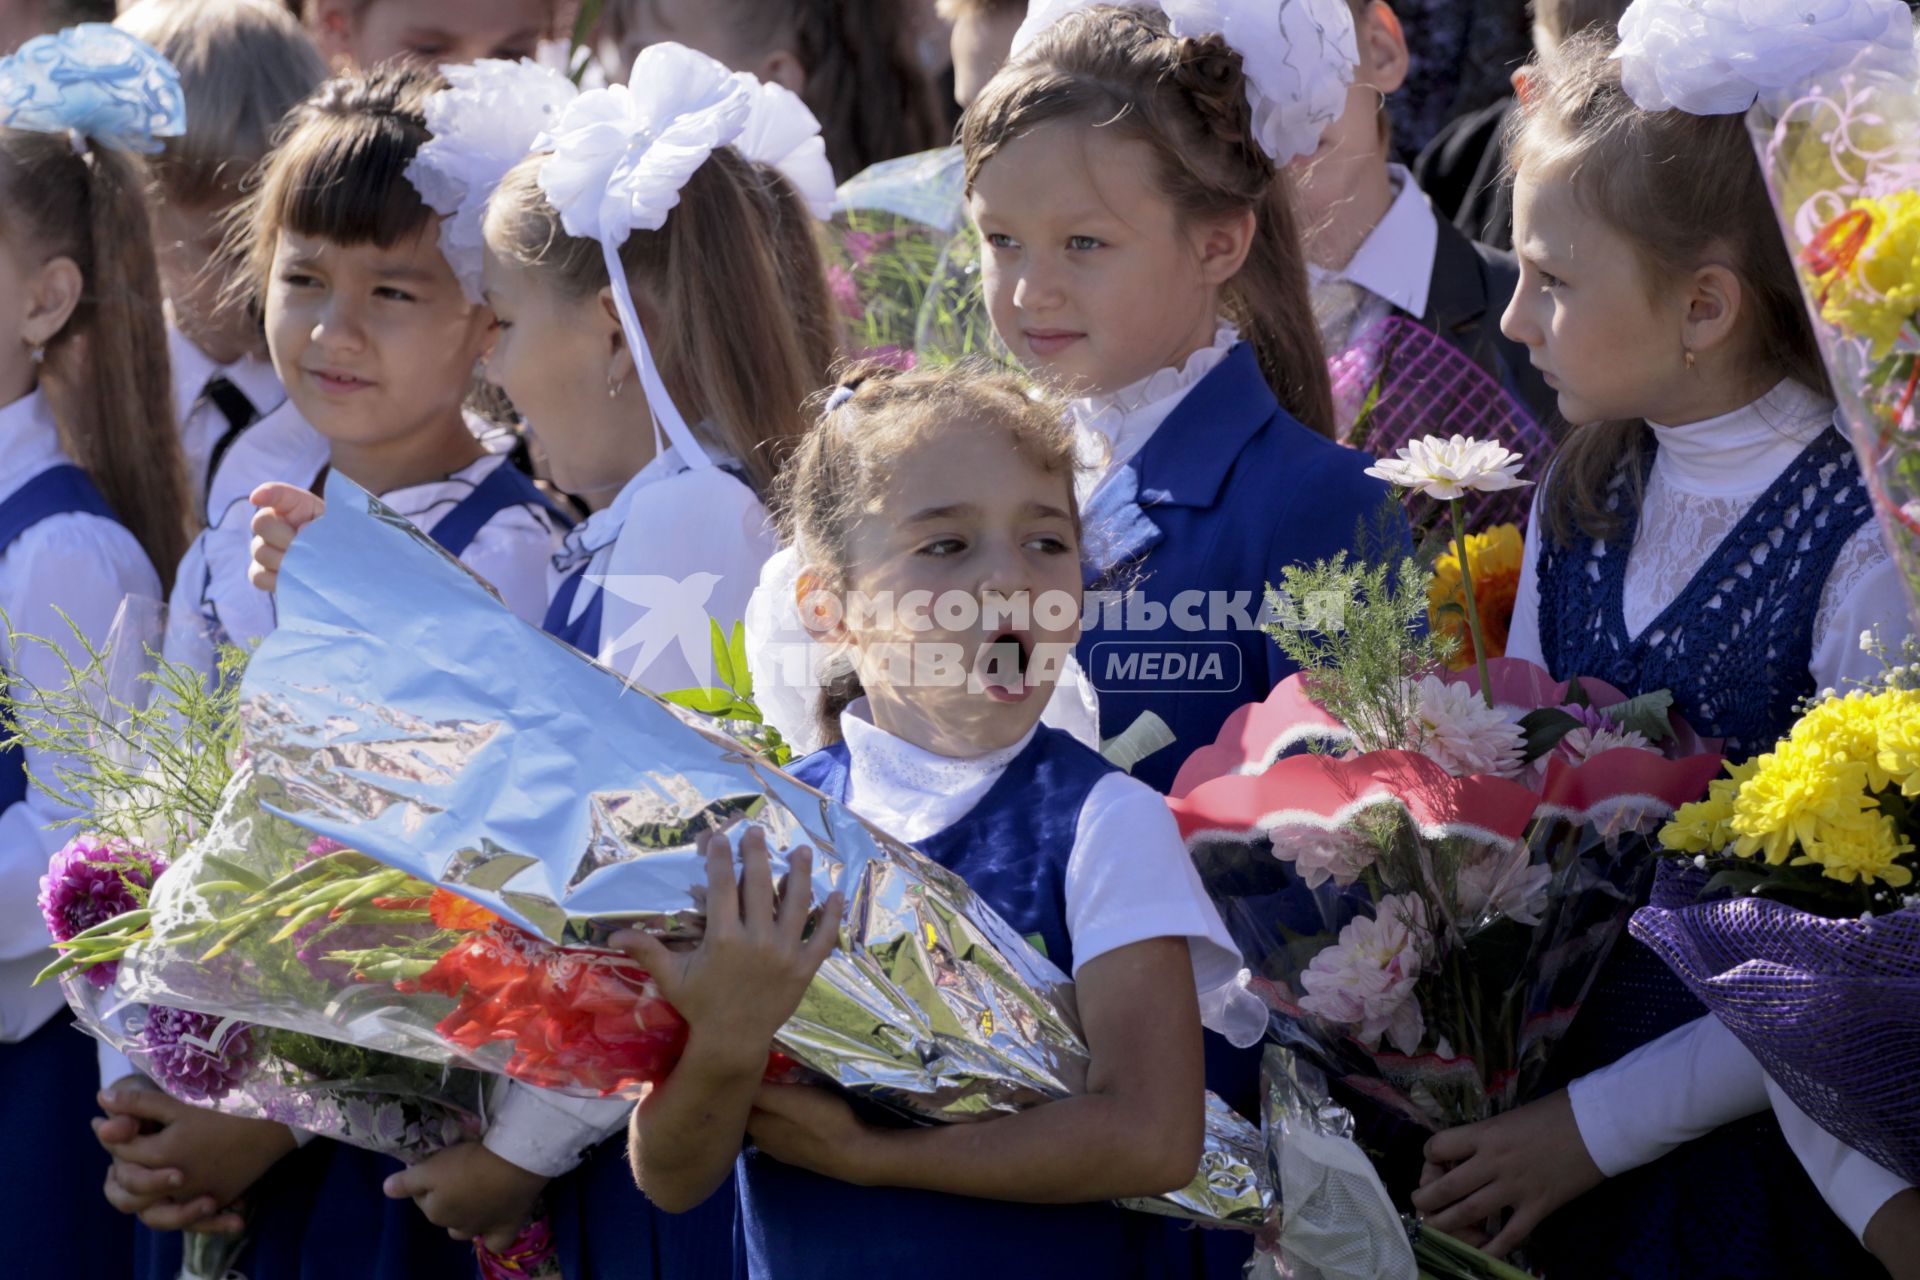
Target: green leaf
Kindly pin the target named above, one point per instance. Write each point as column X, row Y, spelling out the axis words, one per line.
column 708, row 702
column 742, row 683
column 722, row 654
column 1577, row 694
column 1544, row 727
column 1647, row 715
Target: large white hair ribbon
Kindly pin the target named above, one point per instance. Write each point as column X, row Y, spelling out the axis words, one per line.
column 783, row 132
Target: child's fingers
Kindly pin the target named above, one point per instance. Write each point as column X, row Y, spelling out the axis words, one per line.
column 112, row 1130
column 643, row 949
column 1452, row 1186
column 756, row 879
column 271, row 529
column 142, row 1104
column 826, row 932
column 796, row 895
column 122, row 1199
column 263, row 571
column 220, row 1224
column 168, row 1216
column 498, row 1241
column 1472, row 1211
column 408, row 1184
column 1451, row 1146
column 1511, row 1236
column 723, row 900
column 155, row 1184
column 295, row 505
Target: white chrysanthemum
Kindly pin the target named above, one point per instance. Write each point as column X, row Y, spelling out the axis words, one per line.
column 1463, row 735
column 1582, row 744
column 1503, row 882
column 1446, row 468
column 1714, row 57
column 1366, row 979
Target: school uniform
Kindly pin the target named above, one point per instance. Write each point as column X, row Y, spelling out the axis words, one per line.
column 1741, row 585
column 216, row 404
column 1073, row 854
column 1418, row 267
column 1463, row 171
column 635, row 587
column 1210, row 490
column 62, row 551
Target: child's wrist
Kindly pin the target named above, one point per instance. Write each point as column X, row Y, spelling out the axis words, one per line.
column 725, row 1057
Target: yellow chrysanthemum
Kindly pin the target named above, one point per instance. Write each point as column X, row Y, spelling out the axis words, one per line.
column 1494, row 558
column 1863, row 846
column 1847, row 730
column 1706, row 826
column 1898, row 759
column 1793, row 789
column 1868, row 264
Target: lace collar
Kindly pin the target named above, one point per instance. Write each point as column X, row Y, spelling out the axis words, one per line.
column 602, row 529
column 1127, row 417
column 1742, row 452
column 920, row 791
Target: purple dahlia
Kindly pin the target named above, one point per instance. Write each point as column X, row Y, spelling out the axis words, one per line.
column 92, row 880
column 196, row 1056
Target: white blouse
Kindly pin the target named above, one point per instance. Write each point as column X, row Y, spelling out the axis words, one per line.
column 675, row 547
column 202, row 424
column 1111, row 429
column 83, row 566
column 1704, row 478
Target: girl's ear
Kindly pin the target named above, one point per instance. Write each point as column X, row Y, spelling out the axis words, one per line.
column 1222, row 247
column 820, row 611
column 52, row 294
column 1383, row 48
column 620, row 364
column 330, row 22
column 1714, row 298
column 783, row 67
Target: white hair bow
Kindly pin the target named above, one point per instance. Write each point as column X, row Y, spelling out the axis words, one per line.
column 783, row 132
column 483, row 124
column 1299, row 57
column 1717, row 57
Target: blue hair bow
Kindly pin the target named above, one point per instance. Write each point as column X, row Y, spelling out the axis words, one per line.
column 96, row 82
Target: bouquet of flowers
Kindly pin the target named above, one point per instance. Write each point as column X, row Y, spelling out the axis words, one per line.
column 146, row 751
column 1428, row 893
column 1842, row 161
column 903, row 262
column 449, row 859
column 1795, row 916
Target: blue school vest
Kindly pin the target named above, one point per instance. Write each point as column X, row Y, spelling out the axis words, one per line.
column 505, row 486
column 47, row 1081
column 57, row 491
column 1012, row 848
column 1238, row 490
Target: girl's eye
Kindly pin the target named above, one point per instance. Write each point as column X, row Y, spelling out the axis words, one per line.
column 392, row 294
column 297, row 280
column 941, row 548
column 1050, row 545
column 501, row 326
column 1000, row 240
column 1082, row 244
column 1550, row 281
column 434, row 51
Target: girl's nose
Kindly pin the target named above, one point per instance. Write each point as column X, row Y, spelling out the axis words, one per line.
column 1516, row 322
column 1036, row 290
column 338, row 326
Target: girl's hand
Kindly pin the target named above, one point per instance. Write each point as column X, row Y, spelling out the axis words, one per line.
column 285, row 509
column 471, row 1192
column 178, row 1166
column 745, row 977
column 1530, row 1161
column 811, row 1128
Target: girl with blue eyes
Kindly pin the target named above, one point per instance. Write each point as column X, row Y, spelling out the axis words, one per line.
column 953, row 489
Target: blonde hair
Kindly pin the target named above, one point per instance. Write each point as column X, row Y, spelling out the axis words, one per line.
column 339, row 171
column 244, row 64
column 1684, row 190
column 746, row 333
column 1123, row 69
column 106, row 375
column 863, row 427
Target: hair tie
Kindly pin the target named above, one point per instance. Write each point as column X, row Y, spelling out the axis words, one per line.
column 841, row 394
column 96, row 84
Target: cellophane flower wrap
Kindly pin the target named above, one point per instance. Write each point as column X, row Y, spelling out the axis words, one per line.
column 494, row 804
column 1842, row 162
column 1424, row 919
column 1792, row 913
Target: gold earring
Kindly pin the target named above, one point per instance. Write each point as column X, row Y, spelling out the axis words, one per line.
column 1688, row 353
column 615, row 388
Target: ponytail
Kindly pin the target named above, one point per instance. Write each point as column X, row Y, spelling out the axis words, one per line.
column 107, row 377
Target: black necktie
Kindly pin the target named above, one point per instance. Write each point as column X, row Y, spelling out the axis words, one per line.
column 239, row 412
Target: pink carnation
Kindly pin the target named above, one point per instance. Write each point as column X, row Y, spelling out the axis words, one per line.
column 1365, row 980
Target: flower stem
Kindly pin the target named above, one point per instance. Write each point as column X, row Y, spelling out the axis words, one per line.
column 1473, row 605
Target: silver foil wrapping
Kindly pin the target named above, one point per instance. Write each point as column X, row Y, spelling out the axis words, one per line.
column 401, row 710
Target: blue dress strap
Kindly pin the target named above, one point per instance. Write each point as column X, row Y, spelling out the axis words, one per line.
column 505, row 486
column 57, row 491
column 583, row 632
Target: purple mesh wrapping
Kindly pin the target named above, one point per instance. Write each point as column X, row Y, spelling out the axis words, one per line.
column 1831, row 1008
column 1423, row 385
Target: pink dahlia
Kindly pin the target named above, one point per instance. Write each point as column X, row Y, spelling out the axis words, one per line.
column 196, row 1056
column 93, row 880
column 1366, row 979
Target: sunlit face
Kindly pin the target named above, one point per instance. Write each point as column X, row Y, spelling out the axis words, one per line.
column 1605, row 338
column 552, row 355
column 1091, row 278
column 982, row 541
column 706, row 25
column 196, row 276
column 443, row 31
column 374, row 345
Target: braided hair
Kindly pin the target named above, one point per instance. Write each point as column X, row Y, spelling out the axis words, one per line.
column 1123, row 68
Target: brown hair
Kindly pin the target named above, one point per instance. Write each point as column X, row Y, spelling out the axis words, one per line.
column 244, row 64
column 1685, row 190
column 953, row 10
column 746, row 334
column 1186, row 97
column 1561, row 20
column 850, row 452
column 106, row 374
column 339, row 171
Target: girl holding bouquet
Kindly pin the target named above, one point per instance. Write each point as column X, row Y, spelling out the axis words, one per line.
column 657, row 394
column 958, row 485
column 93, row 497
column 1706, row 530
column 376, row 342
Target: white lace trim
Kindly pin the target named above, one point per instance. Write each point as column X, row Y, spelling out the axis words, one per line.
column 1117, row 425
column 922, row 791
